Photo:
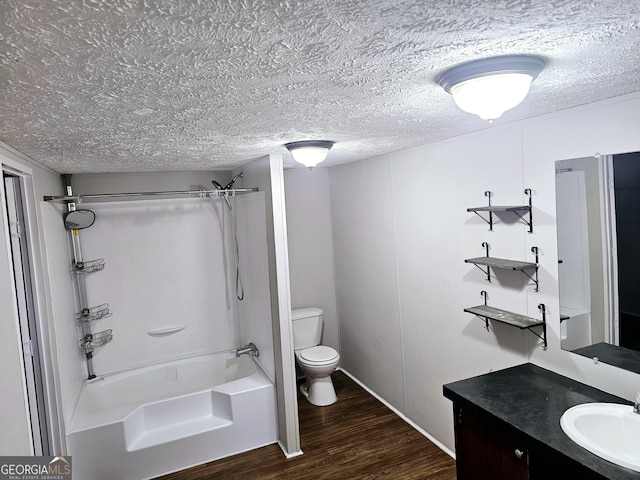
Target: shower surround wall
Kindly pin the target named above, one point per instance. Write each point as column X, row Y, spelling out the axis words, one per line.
column 185, row 250
column 254, row 311
column 70, row 369
column 168, row 265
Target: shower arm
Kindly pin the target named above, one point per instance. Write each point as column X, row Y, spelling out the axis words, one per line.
column 188, row 193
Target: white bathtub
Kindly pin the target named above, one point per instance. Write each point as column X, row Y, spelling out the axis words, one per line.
column 156, row 420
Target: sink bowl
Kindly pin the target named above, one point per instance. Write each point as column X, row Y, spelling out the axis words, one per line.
column 608, row 430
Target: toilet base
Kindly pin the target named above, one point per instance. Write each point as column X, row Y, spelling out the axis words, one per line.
column 319, row 391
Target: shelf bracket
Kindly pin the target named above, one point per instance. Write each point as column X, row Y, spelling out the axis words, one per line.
column 529, row 222
column 487, row 272
column 542, row 337
column 486, row 319
column 487, row 194
column 534, row 277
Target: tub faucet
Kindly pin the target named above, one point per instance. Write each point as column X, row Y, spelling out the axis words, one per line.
column 249, row 349
column 636, row 405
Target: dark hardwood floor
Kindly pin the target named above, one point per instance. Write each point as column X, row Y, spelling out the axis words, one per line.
column 355, row 438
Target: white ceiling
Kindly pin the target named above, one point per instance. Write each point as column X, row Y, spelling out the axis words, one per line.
column 165, row 85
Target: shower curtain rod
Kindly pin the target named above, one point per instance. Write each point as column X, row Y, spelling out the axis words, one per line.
column 189, row 193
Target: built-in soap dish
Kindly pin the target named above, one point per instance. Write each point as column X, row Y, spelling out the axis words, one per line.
column 163, row 332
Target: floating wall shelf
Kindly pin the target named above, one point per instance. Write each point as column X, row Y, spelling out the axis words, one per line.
column 522, row 322
column 523, row 211
column 505, row 264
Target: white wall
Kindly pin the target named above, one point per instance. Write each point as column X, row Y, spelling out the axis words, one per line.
column 311, row 246
column 608, row 127
column 402, row 232
column 366, row 277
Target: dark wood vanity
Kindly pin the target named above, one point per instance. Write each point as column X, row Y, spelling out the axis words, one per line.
column 507, row 426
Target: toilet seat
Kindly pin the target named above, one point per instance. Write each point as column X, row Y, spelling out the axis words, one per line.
column 320, row 355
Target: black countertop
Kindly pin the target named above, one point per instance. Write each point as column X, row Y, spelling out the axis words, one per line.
column 532, row 400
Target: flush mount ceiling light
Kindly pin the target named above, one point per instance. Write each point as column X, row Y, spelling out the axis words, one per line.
column 488, row 87
column 309, row 152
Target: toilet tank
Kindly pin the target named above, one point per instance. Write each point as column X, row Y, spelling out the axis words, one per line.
column 307, row 327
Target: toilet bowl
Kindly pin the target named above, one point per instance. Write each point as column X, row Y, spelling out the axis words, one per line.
column 316, row 361
column 317, row 364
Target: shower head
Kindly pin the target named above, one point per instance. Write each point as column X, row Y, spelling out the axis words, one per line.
column 217, row 185
column 233, row 180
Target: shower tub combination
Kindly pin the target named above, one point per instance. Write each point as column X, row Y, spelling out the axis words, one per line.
column 155, row 420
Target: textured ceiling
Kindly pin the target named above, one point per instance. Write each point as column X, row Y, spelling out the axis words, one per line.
column 164, row 85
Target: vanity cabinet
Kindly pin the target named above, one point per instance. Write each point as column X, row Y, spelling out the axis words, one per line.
column 485, row 449
column 507, row 426
column 489, row 449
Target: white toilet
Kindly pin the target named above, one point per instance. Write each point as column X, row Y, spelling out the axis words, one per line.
column 316, row 361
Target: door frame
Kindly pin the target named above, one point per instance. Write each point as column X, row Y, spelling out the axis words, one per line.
column 610, row 251
column 54, row 444
column 20, row 259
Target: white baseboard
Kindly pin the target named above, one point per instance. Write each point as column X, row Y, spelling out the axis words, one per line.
column 287, row 454
column 437, row 443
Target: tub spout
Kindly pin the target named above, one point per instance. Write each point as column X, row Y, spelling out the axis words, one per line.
column 249, row 349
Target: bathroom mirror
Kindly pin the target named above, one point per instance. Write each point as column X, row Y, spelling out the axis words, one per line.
column 598, row 220
column 79, row 219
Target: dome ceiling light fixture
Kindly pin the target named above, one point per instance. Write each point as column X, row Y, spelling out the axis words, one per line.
column 488, row 87
column 309, row 152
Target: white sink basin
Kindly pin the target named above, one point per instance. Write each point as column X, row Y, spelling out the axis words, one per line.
column 608, row 430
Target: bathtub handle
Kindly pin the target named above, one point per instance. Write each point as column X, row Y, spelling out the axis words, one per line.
column 162, row 332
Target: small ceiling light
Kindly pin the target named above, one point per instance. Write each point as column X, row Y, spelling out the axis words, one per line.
column 309, row 152
column 488, row 87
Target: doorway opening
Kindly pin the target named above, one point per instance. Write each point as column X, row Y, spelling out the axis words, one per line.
column 626, row 173
column 18, row 226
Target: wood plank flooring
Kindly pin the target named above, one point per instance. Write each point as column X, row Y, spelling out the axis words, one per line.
column 356, row 438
